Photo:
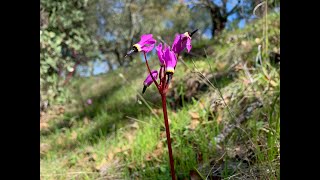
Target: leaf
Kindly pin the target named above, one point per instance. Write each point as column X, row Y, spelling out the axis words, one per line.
column 129, row 136
column 100, row 165
column 60, row 140
column 51, row 34
column 44, row 148
column 163, row 135
column 265, row 73
column 194, row 124
column 61, row 110
column 74, row 135
column 117, row 150
column 132, row 166
column 135, row 125
column 273, row 83
column 219, row 119
column 110, row 156
column 148, row 157
column 194, row 115
column 202, row 104
column 86, row 120
column 157, row 111
column 158, row 151
column 43, row 125
column 163, row 169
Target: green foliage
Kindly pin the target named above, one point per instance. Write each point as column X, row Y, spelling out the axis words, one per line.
column 64, row 34
column 109, row 29
column 117, row 126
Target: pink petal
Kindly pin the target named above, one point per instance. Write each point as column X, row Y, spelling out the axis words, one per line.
column 180, row 42
column 149, row 80
column 147, row 48
column 176, row 45
column 145, row 37
column 189, row 46
column 147, row 42
column 170, row 58
column 160, row 53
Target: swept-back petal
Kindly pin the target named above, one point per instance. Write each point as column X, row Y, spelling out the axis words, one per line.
column 170, row 59
column 180, row 42
column 148, row 81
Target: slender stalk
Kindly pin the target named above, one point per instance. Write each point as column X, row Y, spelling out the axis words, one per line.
column 163, row 81
column 155, row 82
column 166, row 122
column 162, row 90
column 160, row 75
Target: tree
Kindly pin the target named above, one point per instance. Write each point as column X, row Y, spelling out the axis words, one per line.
column 65, row 42
column 221, row 10
column 121, row 24
column 218, row 13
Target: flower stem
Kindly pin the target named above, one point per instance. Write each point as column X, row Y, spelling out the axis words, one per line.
column 155, row 82
column 166, row 122
column 162, row 91
column 160, row 74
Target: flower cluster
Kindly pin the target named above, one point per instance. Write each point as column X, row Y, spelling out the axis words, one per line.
column 168, row 58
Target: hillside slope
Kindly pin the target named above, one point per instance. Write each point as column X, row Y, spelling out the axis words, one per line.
column 224, row 116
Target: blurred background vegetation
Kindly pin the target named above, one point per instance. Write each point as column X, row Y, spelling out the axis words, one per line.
column 95, row 123
column 77, row 36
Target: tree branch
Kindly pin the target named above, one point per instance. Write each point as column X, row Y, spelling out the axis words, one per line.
column 224, row 4
column 234, row 9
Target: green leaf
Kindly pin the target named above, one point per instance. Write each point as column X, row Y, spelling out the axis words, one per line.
column 51, row 34
column 163, row 169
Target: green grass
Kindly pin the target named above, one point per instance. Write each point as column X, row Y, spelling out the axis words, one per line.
column 122, row 133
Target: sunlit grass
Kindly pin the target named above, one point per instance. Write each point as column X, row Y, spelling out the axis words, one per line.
column 120, row 126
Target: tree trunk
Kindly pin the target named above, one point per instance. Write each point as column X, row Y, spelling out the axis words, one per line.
column 219, row 15
column 118, row 57
column 218, row 25
column 92, row 69
column 110, row 66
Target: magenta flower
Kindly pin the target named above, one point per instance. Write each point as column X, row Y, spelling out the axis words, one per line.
column 146, row 44
column 89, row 101
column 170, row 60
column 182, row 41
column 149, row 80
column 160, row 53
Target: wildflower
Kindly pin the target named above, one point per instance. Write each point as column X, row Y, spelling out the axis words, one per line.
column 168, row 61
column 182, row 41
column 89, row 101
column 160, row 53
column 149, row 80
column 171, row 62
column 146, row 44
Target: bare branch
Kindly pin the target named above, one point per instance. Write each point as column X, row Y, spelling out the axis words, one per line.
column 234, row 9
column 224, row 4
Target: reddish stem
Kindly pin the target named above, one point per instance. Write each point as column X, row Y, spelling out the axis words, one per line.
column 160, row 75
column 162, row 90
column 166, row 122
column 155, row 82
